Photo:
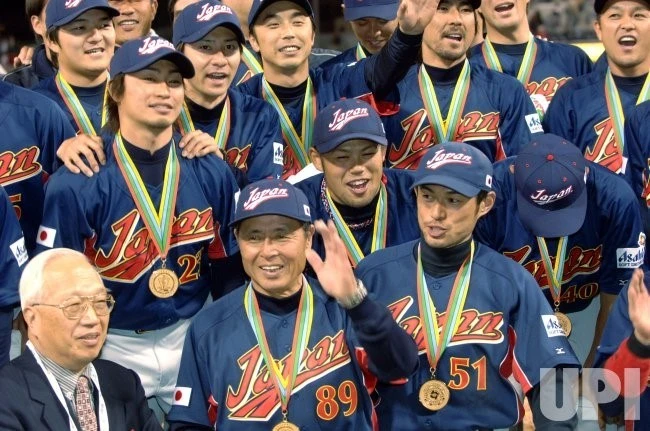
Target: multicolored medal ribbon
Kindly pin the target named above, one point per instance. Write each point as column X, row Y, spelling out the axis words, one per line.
column 304, row 318
column 76, row 109
column 434, row 394
column 299, row 144
column 251, row 61
column 615, row 110
column 163, row 283
column 380, row 226
column 445, row 129
column 527, row 63
column 525, row 70
column 360, row 53
column 186, row 125
column 554, row 274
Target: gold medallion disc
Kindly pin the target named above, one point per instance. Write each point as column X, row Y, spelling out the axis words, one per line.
column 434, row 395
column 163, row 283
column 285, row 426
column 565, row 322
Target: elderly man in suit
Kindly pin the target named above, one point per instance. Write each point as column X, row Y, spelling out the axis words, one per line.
column 58, row 383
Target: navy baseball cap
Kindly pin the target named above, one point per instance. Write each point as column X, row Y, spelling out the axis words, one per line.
column 344, row 120
column 61, row 12
column 271, row 197
column 382, row 9
column 551, row 186
column 199, row 19
column 457, row 166
column 599, row 5
column 137, row 54
column 260, row 5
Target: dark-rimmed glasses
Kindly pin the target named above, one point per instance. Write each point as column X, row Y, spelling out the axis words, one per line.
column 76, row 306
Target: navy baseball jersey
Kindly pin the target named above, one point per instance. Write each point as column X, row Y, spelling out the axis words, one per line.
column 14, row 254
column 506, row 329
column 579, row 114
column 637, row 142
column 618, row 328
column 600, row 257
column 555, row 64
column 348, row 56
column 99, row 217
column 224, row 382
column 402, row 223
column 91, row 99
column 254, row 142
column 498, row 118
column 329, row 85
column 33, row 127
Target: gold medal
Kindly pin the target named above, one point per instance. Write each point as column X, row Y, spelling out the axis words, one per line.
column 434, row 395
column 285, row 426
column 565, row 322
column 163, row 283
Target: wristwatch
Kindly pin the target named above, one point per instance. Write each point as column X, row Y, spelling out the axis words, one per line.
column 355, row 298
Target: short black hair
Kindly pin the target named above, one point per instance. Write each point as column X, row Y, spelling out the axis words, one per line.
column 34, row 7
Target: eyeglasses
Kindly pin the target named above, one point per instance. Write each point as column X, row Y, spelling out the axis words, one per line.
column 75, row 307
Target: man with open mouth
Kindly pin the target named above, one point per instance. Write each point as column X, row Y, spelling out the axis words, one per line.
column 590, row 111
column 245, row 128
column 509, row 47
column 445, row 98
column 372, row 206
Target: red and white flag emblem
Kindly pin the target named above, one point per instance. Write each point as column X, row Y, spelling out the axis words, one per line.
column 182, row 396
column 46, row 236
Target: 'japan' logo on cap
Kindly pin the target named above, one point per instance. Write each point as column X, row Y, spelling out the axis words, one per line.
column 257, row 197
column 209, row 11
column 541, row 197
column 441, row 158
column 71, row 3
column 343, row 118
column 149, row 45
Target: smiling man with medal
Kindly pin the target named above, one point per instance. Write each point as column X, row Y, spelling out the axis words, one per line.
column 284, row 31
column 509, row 47
column 279, row 353
column 246, row 129
column 153, row 223
column 372, row 207
column 574, row 226
column 590, row 111
column 81, row 37
column 445, row 98
column 479, row 319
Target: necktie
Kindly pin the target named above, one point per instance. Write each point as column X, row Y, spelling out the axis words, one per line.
column 85, row 411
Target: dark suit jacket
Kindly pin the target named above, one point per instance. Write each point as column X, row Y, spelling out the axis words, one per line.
column 28, row 402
